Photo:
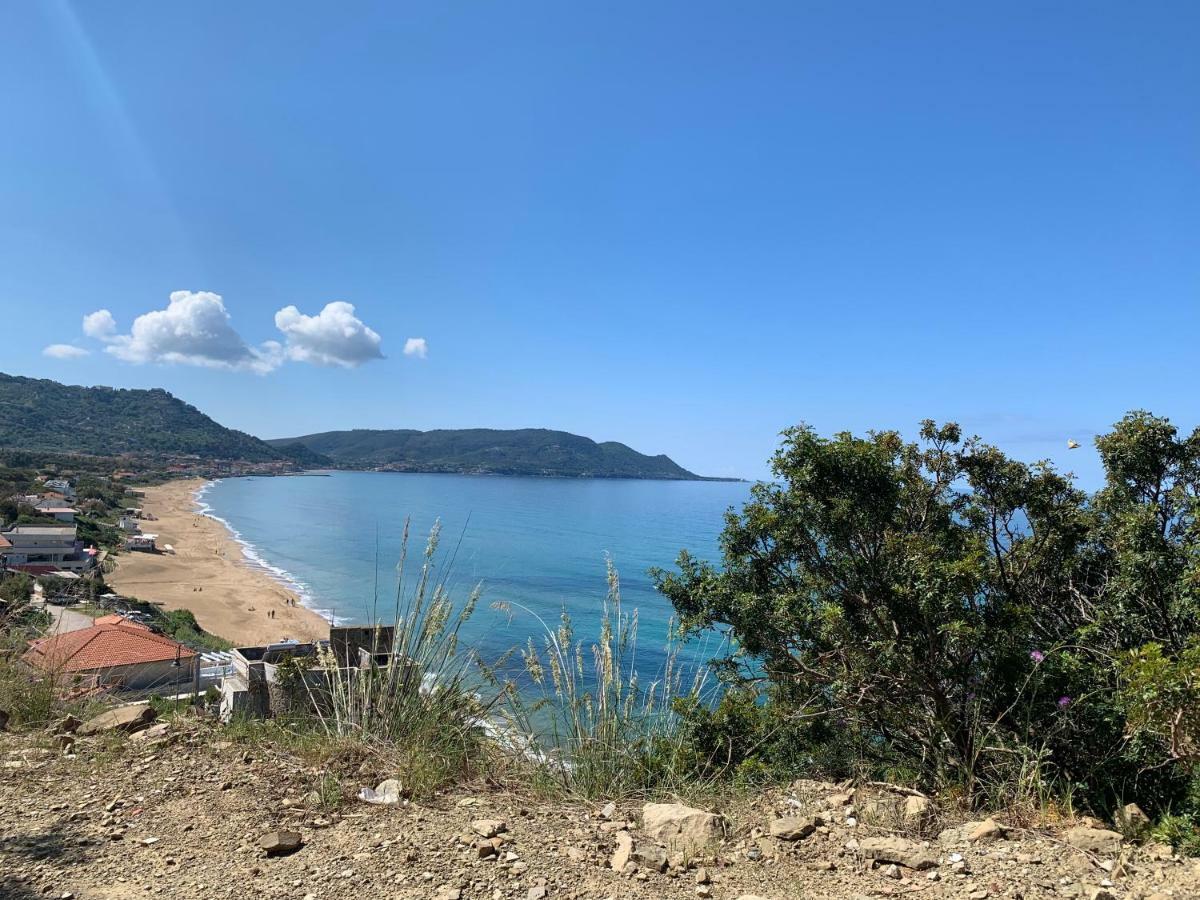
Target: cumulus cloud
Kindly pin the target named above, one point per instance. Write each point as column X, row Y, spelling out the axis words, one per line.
column 416, row 347
column 100, row 325
column 64, row 351
column 193, row 330
column 333, row 337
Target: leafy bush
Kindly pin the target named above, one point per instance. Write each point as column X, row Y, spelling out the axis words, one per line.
column 954, row 616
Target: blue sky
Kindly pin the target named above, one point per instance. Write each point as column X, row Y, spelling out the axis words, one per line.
column 684, row 226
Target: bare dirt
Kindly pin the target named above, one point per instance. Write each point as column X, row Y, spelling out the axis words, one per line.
column 181, row 814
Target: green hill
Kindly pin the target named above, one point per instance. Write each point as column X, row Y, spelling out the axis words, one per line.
column 526, row 451
column 42, row 415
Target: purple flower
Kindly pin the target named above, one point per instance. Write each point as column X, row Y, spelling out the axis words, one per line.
column 1037, row 656
column 1064, row 702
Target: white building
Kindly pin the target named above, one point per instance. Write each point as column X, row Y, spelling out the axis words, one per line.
column 57, row 510
column 44, row 545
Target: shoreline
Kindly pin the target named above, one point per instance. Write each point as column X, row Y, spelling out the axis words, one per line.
column 210, row 574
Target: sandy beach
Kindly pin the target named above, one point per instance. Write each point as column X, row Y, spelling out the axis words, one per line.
column 208, row 575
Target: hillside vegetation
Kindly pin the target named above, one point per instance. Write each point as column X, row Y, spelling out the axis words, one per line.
column 43, row 415
column 525, row 451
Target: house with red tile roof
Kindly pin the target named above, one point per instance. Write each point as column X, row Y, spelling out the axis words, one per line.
column 117, row 653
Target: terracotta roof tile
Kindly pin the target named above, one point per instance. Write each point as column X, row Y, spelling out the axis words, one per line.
column 103, row 646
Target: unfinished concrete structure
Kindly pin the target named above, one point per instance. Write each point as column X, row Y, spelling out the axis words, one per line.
column 289, row 676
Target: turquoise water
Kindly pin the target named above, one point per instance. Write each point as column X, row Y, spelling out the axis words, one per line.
column 537, row 542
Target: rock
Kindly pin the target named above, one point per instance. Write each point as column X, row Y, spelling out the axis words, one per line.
column 877, row 811
column 123, row 718
column 822, row 865
column 1131, row 821
column 897, row 850
column 1099, row 893
column 610, row 810
column 489, row 828
column 280, row 843
column 681, row 827
column 795, row 828
column 1094, row 840
column 537, row 892
column 917, row 811
column 702, row 876
column 152, row 734
column 984, row 832
column 620, row 857
column 651, row 857
column 892, row 871
column 388, row 793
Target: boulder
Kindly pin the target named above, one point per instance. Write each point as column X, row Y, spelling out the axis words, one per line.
column 1094, row 840
column 123, row 718
column 681, row 827
column 795, row 828
column 1131, row 821
column 983, row 832
column 917, row 811
column 897, row 850
column 280, row 843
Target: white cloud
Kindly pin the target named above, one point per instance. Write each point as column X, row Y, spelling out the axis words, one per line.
column 333, row 337
column 64, row 351
column 193, row 330
column 416, row 347
column 100, row 325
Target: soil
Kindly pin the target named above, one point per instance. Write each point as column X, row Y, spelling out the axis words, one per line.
column 182, row 811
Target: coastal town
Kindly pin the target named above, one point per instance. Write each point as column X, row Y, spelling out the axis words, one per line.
column 100, row 635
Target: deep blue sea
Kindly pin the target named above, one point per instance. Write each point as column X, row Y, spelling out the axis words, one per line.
column 537, row 542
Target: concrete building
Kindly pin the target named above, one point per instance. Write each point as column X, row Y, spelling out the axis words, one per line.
column 41, row 546
column 58, row 511
column 267, row 681
column 118, row 654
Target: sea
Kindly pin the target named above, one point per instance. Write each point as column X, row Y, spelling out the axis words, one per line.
column 534, row 546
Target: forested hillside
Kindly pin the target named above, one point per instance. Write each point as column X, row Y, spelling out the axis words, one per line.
column 42, row 415
column 527, row 451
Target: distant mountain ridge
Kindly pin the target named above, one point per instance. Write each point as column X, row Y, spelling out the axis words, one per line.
column 42, row 415
column 524, row 451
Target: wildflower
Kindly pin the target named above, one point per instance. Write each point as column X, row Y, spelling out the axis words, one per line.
column 1037, row 656
column 1064, row 702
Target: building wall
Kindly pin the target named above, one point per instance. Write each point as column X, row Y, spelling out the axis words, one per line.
column 151, row 676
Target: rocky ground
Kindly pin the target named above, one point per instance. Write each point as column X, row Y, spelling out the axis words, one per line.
column 179, row 810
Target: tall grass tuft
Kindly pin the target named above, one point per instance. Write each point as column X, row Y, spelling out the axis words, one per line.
column 422, row 710
column 584, row 718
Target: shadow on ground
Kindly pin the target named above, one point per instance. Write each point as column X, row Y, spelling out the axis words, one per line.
column 60, row 847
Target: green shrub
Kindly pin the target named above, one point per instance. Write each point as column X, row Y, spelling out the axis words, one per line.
column 942, row 612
